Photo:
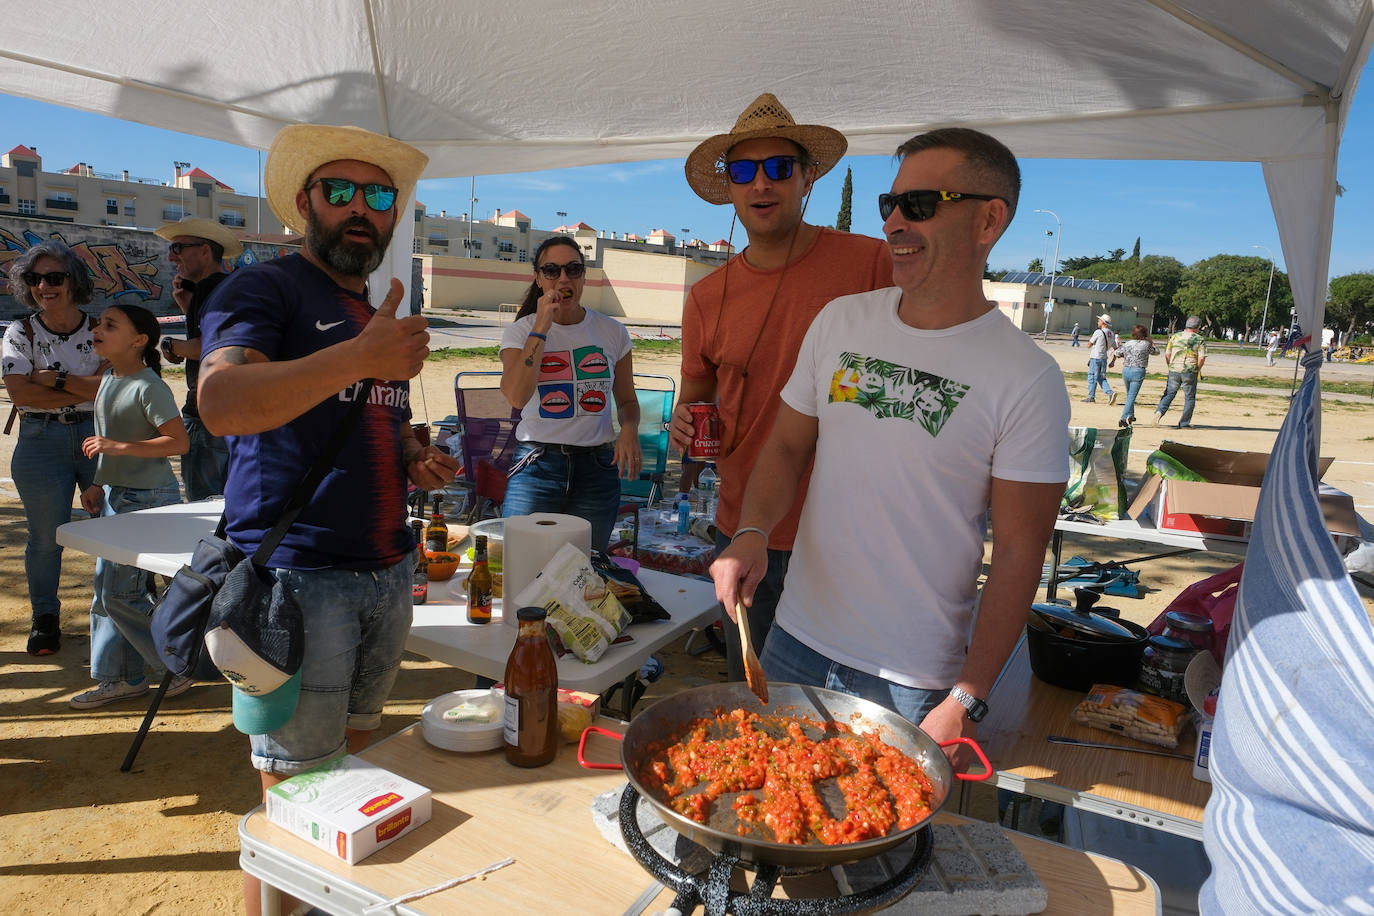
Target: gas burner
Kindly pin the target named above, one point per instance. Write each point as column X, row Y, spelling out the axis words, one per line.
column 712, row 889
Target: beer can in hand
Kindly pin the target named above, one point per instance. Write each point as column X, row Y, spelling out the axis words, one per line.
column 705, row 444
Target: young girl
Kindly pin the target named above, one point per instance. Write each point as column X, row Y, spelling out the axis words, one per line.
column 137, row 426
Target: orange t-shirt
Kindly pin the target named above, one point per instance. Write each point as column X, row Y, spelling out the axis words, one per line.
column 717, row 343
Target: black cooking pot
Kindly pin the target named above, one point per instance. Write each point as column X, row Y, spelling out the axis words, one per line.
column 1076, row 647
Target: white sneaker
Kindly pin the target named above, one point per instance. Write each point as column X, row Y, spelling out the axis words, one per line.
column 1111, row 398
column 179, row 686
column 108, row 692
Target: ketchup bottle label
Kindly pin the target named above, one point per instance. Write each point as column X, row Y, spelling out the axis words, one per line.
column 511, row 720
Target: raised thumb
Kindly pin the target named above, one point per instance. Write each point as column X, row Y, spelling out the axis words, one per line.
column 393, row 299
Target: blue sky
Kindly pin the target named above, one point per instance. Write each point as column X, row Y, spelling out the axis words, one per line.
column 1188, row 210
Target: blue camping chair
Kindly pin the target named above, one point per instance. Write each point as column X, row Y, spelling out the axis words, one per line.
column 656, row 394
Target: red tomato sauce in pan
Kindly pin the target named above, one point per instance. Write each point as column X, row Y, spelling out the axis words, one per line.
column 781, row 777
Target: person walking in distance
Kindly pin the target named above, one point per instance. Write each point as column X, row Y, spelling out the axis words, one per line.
column 1100, row 344
column 1185, row 354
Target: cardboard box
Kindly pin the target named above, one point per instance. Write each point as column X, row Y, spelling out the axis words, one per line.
column 1224, row 507
column 348, row 807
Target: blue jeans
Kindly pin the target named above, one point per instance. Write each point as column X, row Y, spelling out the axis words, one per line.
column 204, row 464
column 1133, row 378
column 48, row 469
column 585, row 484
column 356, row 623
column 1097, row 375
column 761, row 612
column 122, row 605
column 1188, row 381
column 788, row 660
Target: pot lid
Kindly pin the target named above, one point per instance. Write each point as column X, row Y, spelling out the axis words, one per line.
column 1082, row 620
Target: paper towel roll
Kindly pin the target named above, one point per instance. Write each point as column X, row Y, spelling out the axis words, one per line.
column 530, row 542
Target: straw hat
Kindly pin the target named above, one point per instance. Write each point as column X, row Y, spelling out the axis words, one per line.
column 206, row 229
column 766, row 117
column 1105, row 318
column 300, row 149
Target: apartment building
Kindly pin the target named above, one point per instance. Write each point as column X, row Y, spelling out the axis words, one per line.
column 82, row 194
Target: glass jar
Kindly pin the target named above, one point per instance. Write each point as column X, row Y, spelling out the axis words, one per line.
column 1190, row 628
column 531, row 711
column 1162, row 665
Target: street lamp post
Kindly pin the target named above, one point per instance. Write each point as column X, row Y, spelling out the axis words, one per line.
column 472, row 209
column 1264, row 321
column 686, row 233
column 561, row 214
column 177, row 165
column 1054, row 267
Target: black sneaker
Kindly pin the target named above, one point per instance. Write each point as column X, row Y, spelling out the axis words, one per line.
column 46, row 636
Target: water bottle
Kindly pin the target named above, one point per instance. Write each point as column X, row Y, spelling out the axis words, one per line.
column 684, row 514
column 706, row 491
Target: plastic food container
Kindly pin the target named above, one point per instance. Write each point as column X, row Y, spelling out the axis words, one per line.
column 466, row 721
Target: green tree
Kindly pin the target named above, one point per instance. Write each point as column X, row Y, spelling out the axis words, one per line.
column 1135, row 252
column 1157, row 277
column 1350, row 300
column 1036, row 265
column 1228, row 291
column 846, row 201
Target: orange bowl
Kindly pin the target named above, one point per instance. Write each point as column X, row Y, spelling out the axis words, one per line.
column 442, row 565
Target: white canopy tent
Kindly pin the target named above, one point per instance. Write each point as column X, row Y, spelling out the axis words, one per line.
column 537, row 84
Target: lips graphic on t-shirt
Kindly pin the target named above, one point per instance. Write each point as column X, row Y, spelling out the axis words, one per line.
column 591, row 362
column 555, row 365
column 556, row 401
column 593, row 401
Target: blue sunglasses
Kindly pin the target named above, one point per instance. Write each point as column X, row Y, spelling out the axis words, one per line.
column 339, row 191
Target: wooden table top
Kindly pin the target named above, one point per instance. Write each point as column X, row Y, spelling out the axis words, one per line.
column 1024, row 710
column 486, row 810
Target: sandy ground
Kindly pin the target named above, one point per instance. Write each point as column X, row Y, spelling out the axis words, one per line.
column 81, row 837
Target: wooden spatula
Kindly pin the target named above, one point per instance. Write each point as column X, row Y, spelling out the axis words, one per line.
column 753, row 671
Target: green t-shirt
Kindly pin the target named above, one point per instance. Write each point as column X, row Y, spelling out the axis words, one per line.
column 1185, row 349
column 130, row 409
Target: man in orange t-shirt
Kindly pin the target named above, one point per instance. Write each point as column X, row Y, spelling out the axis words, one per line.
column 743, row 324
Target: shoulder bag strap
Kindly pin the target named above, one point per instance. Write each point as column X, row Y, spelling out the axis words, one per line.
column 306, row 488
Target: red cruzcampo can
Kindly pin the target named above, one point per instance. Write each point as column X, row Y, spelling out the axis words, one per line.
column 705, row 431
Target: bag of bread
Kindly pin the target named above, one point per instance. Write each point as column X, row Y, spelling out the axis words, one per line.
column 1134, row 714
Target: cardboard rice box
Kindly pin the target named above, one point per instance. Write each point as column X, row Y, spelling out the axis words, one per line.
column 1224, row 506
column 348, row 807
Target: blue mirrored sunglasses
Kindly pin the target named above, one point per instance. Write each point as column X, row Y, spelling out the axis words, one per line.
column 339, row 191
column 777, row 168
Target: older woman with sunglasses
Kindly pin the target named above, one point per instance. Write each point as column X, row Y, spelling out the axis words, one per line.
column 52, row 372
column 562, row 367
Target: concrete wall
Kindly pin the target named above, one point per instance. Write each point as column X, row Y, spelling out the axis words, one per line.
column 1025, row 306
column 127, row 265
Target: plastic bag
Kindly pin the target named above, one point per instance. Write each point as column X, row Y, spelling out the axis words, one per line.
column 1213, row 597
column 1167, row 466
column 1097, row 471
column 1134, row 714
column 581, row 609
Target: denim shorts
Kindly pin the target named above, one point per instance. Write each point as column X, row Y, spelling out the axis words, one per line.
column 356, row 623
column 788, row 659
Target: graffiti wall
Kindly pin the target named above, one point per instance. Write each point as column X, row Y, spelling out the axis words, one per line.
column 128, row 265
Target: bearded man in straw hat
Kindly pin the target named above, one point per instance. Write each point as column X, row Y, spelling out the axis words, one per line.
column 926, row 411
column 742, row 324
column 198, row 249
column 288, row 343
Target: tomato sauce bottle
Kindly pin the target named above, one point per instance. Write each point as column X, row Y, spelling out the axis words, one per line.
column 531, row 713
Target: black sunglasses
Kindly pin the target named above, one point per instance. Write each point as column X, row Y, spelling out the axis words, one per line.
column 179, row 247
column 339, row 191
column 918, row 206
column 54, row 278
column 777, row 168
column 573, row 269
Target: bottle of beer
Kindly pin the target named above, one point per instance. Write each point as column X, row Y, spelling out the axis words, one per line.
column 436, row 535
column 531, row 714
column 419, row 585
column 479, row 584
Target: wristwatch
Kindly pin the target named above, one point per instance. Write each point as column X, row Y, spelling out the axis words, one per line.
column 977, row 709
column 61, row 383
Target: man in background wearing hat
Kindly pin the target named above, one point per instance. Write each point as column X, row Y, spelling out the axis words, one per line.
column 1100, row 344
column 198, row 249
column 742, row 324
column 926, row 412
column 288, row 342
column 1184, row 355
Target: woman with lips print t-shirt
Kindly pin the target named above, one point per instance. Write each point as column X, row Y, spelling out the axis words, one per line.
column 566, row 368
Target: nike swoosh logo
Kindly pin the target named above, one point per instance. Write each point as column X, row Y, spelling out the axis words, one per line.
column 321, row 326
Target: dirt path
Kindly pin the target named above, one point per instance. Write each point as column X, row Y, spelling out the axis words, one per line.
column 81, row 837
